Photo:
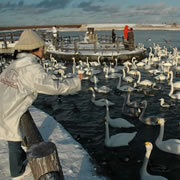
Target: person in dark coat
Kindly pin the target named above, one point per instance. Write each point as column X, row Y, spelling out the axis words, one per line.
column 130, row 39
column 113, row 36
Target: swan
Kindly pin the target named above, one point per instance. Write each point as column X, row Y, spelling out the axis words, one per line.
column 117, row 122
column 133, row 72
column 99, row 102
column 176, row 84
column 150, row 120
column 129, row 110
column 145, row 82
column 120, row 139
column 170, row 145
column 102, row 89
column 176, row 95
column 127, row 78
column 125, row 88
column 143, row 171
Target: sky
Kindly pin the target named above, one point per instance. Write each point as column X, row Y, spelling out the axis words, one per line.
column 50, row 12
column 75, row 161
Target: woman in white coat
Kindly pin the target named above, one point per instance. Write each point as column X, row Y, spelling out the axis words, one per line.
column 20, row 84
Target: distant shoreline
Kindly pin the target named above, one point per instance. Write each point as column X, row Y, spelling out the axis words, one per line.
column 98, row 27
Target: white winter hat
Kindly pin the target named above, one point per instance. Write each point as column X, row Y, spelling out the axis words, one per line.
column 29, row 40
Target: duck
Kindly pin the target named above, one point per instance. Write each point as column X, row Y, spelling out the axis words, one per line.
column 170, row 145
column 164, row 104
column 117, row 140
column 99, row 102
column 149, row 120
column 144, row 175
column 116, row 122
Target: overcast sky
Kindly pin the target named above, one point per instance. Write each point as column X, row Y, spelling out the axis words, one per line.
column 47, row 12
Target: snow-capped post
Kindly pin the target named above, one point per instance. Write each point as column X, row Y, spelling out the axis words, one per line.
column 44, row 161
column 42, row 156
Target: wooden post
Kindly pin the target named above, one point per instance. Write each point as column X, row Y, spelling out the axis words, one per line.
column 5, row 43
column 44, row 161
column 75, row 47
column 118, row 49
column 95, row 47
column 31, row 132
column 42, row 156
column 12, row 39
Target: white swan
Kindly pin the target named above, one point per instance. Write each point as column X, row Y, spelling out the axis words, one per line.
column 176, row 84
column 176, row 95
column 120, row 139
column 130, row 110
column 170, row 145
column 116, row 122
column 99, row 102
column 127, row 78
column 145, row 82
column 143, row 171
column 102, row 89
column 133, row 72
column 125, row 88
column 149, row 120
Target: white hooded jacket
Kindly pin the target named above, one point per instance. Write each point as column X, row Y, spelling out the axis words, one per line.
column 20, row 83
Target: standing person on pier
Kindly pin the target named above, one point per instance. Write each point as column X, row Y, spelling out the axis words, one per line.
column 20, row 84
column 125, row 32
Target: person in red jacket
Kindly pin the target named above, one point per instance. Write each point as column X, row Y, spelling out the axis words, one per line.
column 125, row 31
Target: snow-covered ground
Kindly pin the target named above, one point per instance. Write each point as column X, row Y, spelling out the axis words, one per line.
column 75, row 161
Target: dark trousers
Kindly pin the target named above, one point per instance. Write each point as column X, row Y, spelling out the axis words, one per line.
column 16, row 158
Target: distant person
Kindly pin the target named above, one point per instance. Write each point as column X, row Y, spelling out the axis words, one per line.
column 86, row 37
column 20, row 84
column 113, row 36
column 125, row 32
column 54, row 31
column 130, row 39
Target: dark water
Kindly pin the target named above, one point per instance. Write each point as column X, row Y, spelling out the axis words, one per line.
column 85, row 121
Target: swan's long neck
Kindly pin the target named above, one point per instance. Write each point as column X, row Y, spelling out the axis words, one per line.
column 93, row 95
column 127, row 68
column 128, row 98
column 119, row 83
column 171, row 79
column 124, row 74
column 107, row 112
column 161, row 134
column 107, row 132
column 139, row 78
column 146, row 159
column 172, row 89
column 142, row 113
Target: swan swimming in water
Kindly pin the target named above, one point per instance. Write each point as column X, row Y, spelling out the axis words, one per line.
column 170, row 145
column 116, row 122
column 99, row 102
column 150, row 120
column 175, row 95
column 143, row 171
column 117, row 140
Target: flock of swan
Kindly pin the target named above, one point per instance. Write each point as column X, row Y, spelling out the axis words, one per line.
column 160, row 65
